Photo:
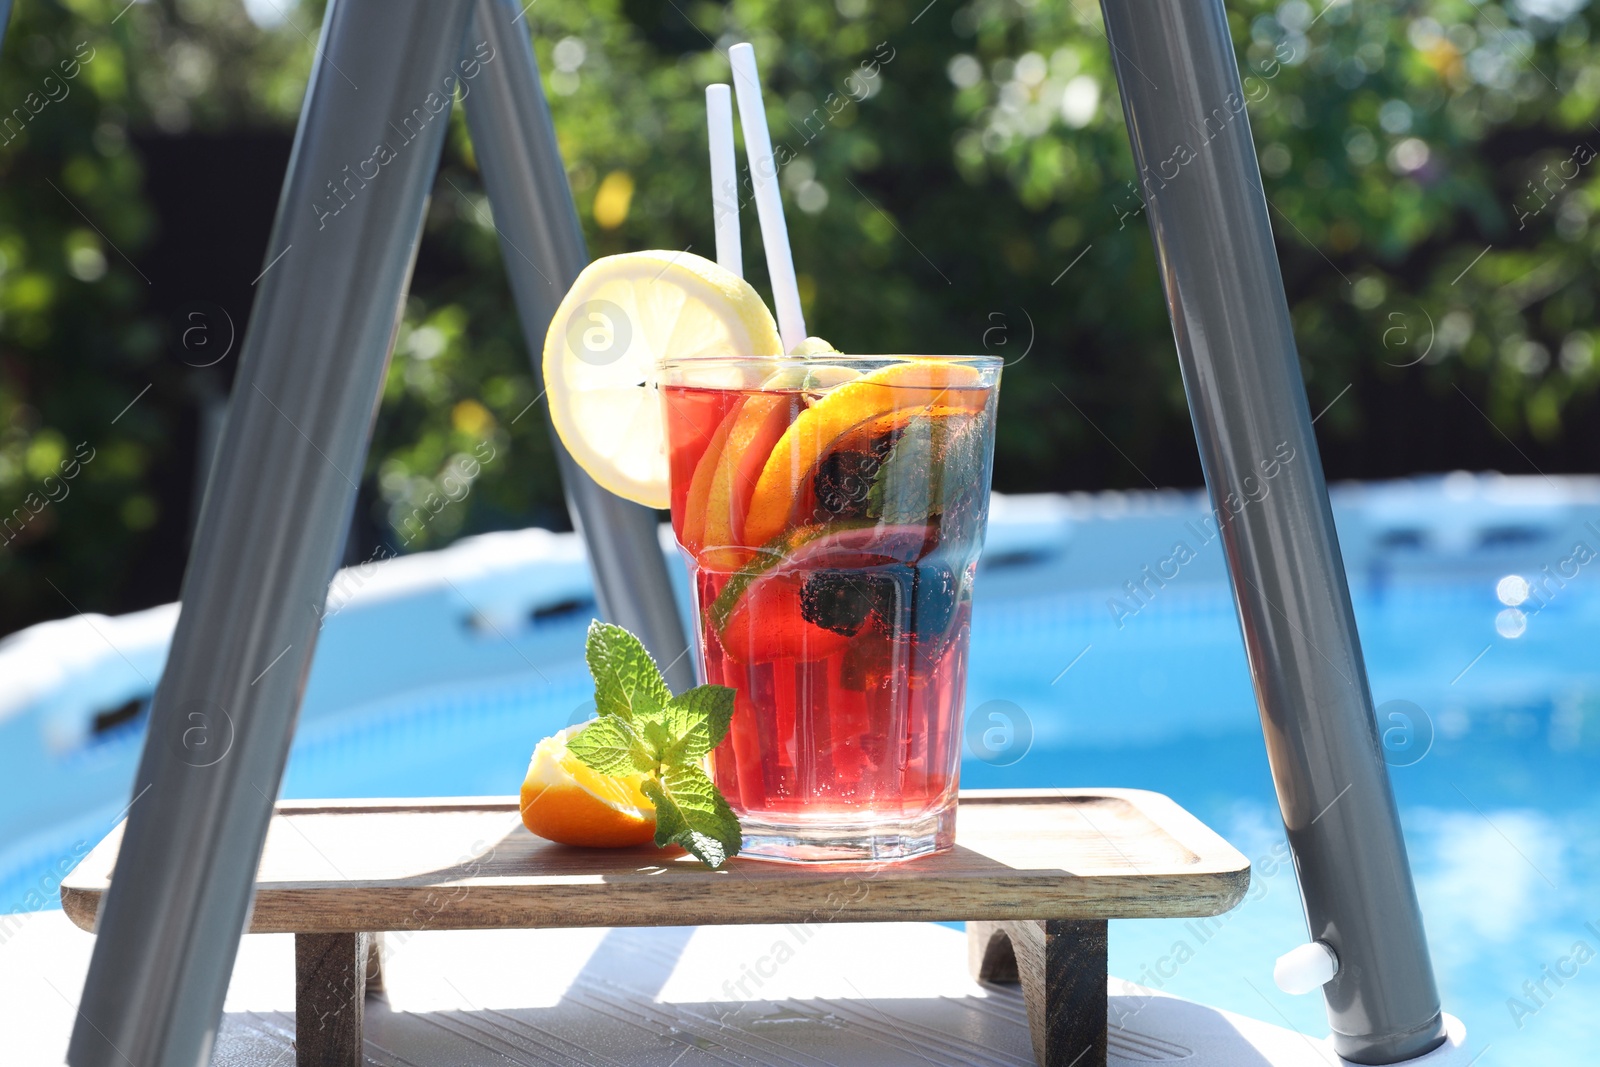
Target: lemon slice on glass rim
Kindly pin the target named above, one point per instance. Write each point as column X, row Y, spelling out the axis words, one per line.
column 622, row 316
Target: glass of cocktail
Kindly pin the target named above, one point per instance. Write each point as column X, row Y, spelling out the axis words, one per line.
column 831, row 509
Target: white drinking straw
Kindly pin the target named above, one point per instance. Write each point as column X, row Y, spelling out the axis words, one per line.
column 769, row 204
column 724, row 178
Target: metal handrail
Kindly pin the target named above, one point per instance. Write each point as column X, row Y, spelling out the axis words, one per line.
column 542, row 246
column 273, row 521
column 1186, row 113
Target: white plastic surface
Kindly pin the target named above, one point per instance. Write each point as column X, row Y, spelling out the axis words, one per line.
column 851, row 995
column 1305, row 968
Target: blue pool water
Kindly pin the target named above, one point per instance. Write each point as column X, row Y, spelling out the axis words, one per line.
column 1493, row 760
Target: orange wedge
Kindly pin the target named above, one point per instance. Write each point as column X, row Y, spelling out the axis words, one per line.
column 705, row 473
column 565, row 801
column 760, row 425
column 930, row 384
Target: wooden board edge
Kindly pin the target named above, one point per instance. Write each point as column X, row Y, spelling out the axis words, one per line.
column 510, row 801
column 83, row 885
column 1212, row 853
column 1220, row 878
column 1216, row 854
column 82, row 906
column 515, row 907
column 77, row 880
column 1039, row 793
column 356, row 806
column 302, row 909
column 290, row 909
column 374, row 805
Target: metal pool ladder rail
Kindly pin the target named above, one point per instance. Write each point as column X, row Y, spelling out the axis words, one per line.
column 1186, row 113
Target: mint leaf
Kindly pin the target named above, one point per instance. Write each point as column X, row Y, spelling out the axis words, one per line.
column 643, row 728
column 691, row 813
column 698, row 720
column 933, row 461
column 626, row 681
column 657, row 740
column 670, row 822
column 608, row 745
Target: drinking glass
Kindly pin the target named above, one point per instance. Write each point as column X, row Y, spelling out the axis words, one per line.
column 831, row 510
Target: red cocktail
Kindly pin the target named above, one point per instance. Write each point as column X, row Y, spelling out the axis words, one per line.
column 831, row 510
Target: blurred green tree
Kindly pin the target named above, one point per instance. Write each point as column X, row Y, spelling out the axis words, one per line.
column 957, row 179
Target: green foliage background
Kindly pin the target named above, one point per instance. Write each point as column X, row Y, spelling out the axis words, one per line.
column 1427, row 164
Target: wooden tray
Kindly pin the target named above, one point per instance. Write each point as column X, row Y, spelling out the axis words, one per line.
column 1035, row 873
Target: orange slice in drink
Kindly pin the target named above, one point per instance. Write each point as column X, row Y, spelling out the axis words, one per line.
column 909, row 387
column 693, row 534
column 563, row 800
column 759, row 425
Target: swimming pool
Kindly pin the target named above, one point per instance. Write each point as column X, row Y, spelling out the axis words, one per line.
column 1097, row 660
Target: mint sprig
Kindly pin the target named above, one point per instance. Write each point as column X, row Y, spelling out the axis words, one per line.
column 643, row 728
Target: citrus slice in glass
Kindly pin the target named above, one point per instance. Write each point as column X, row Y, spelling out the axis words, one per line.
column 924, row 384
column 705, row 473
column 760, row 423
column 622, row 316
